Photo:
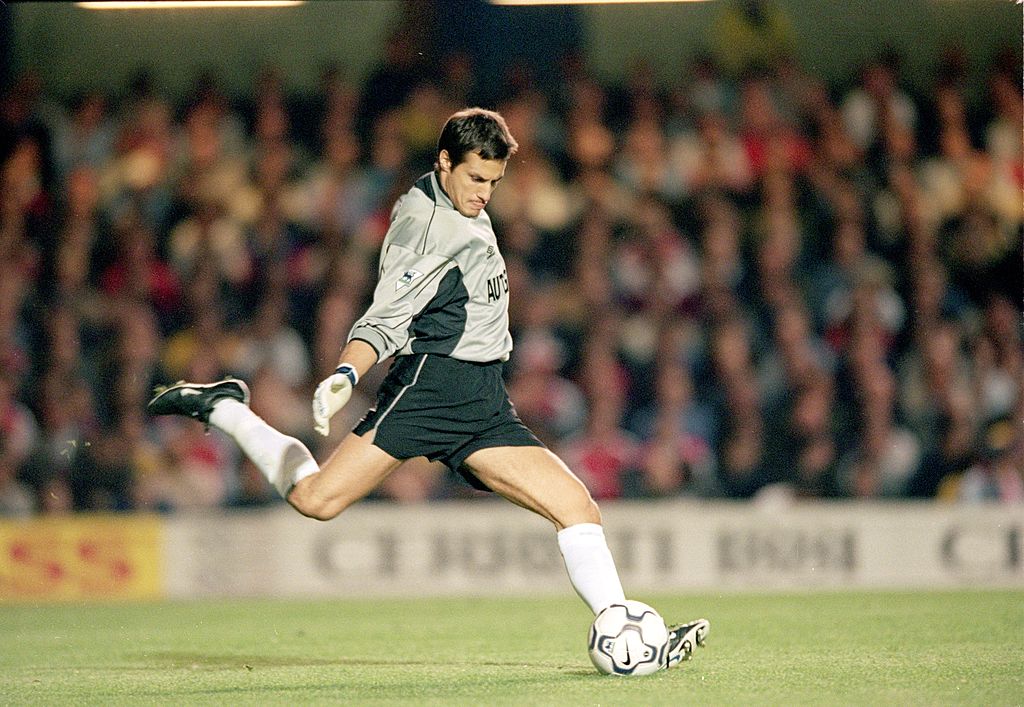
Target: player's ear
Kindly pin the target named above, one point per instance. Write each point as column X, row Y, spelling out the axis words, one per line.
column 444, row 161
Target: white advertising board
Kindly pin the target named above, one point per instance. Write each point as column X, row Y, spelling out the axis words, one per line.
column 492, row 547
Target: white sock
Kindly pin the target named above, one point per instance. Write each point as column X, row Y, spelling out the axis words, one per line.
column 590, row 565
column 283, row 460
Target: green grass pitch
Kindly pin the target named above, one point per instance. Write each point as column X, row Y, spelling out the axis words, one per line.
column 829, row 648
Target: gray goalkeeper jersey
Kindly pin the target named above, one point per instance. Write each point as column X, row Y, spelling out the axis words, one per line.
column 442, row 286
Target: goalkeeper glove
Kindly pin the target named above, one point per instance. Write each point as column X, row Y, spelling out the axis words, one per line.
column 331, row 396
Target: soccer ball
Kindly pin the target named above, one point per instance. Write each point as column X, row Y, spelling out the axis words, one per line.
column 628, row 638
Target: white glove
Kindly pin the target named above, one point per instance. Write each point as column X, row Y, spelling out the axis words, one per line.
column 331, row 396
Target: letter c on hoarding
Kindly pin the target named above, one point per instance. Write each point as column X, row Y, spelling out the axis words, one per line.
column 982, row 549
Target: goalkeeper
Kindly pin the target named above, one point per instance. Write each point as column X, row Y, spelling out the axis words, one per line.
column 440, row 308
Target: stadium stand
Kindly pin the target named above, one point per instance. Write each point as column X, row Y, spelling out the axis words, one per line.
column 798, row 286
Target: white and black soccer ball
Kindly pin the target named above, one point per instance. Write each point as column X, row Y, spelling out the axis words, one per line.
column 628, row 638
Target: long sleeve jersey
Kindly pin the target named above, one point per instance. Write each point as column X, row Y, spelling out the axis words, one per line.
column 442, row 286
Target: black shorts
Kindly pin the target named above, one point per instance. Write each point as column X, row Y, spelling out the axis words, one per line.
column 444, row 409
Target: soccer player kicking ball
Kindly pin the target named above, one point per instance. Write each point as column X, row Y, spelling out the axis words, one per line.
column 440, row 308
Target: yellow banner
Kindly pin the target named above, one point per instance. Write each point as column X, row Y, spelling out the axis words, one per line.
column 81, row 558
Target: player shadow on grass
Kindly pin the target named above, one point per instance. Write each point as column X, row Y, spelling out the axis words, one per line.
column 202, row 661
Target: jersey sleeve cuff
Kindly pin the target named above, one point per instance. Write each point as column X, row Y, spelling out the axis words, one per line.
column 368, row 336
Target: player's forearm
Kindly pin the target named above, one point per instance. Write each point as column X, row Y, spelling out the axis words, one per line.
column 358, row 354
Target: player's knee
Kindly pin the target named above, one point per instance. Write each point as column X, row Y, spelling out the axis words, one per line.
column 313, row 505
column 317, row 512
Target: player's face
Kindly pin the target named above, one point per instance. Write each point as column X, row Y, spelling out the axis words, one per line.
column 470, row 183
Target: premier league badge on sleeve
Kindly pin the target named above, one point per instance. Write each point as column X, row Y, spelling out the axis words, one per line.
column 407, row 279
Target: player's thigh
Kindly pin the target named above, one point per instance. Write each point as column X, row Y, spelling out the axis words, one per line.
column 353, row 470
column 535, row 478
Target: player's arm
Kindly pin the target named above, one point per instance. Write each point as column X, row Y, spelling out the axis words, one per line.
column 408, row 280
column 358, row 354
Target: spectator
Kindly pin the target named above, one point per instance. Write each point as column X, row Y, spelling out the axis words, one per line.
column 954, row 451
column 743, row 443
column 678, row 435
column 796, row 356
column 210, row 239
column 137, row 273
column 85, row 139
column 17, row 354
column 711, row 157
column 603, row 453
column 78, row 238
column 209, row 163
column 877, row 99
column 999, row 359
column 654, row 270
column 268, row 342
column 769, row 141
column 335, row 195
column 929, row 375
column 129, row 366
column 887, row 455
column 804, row 452
column 139, row 179
column 707, row 92
column 996, row 475
column 16, row 497
column 550, row 404
column 1003, row 142
column 19, row 430
column 643, row 165
column 723, row 266
column 194, row 472
column 423, row 109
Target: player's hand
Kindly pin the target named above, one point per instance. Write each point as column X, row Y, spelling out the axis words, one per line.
column 331, row 396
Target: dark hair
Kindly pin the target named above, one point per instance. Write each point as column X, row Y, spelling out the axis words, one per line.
column 476, row 130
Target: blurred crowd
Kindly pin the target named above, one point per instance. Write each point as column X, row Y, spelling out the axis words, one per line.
column 745, row 282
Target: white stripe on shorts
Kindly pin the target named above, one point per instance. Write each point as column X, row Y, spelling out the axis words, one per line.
column 398, row 397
